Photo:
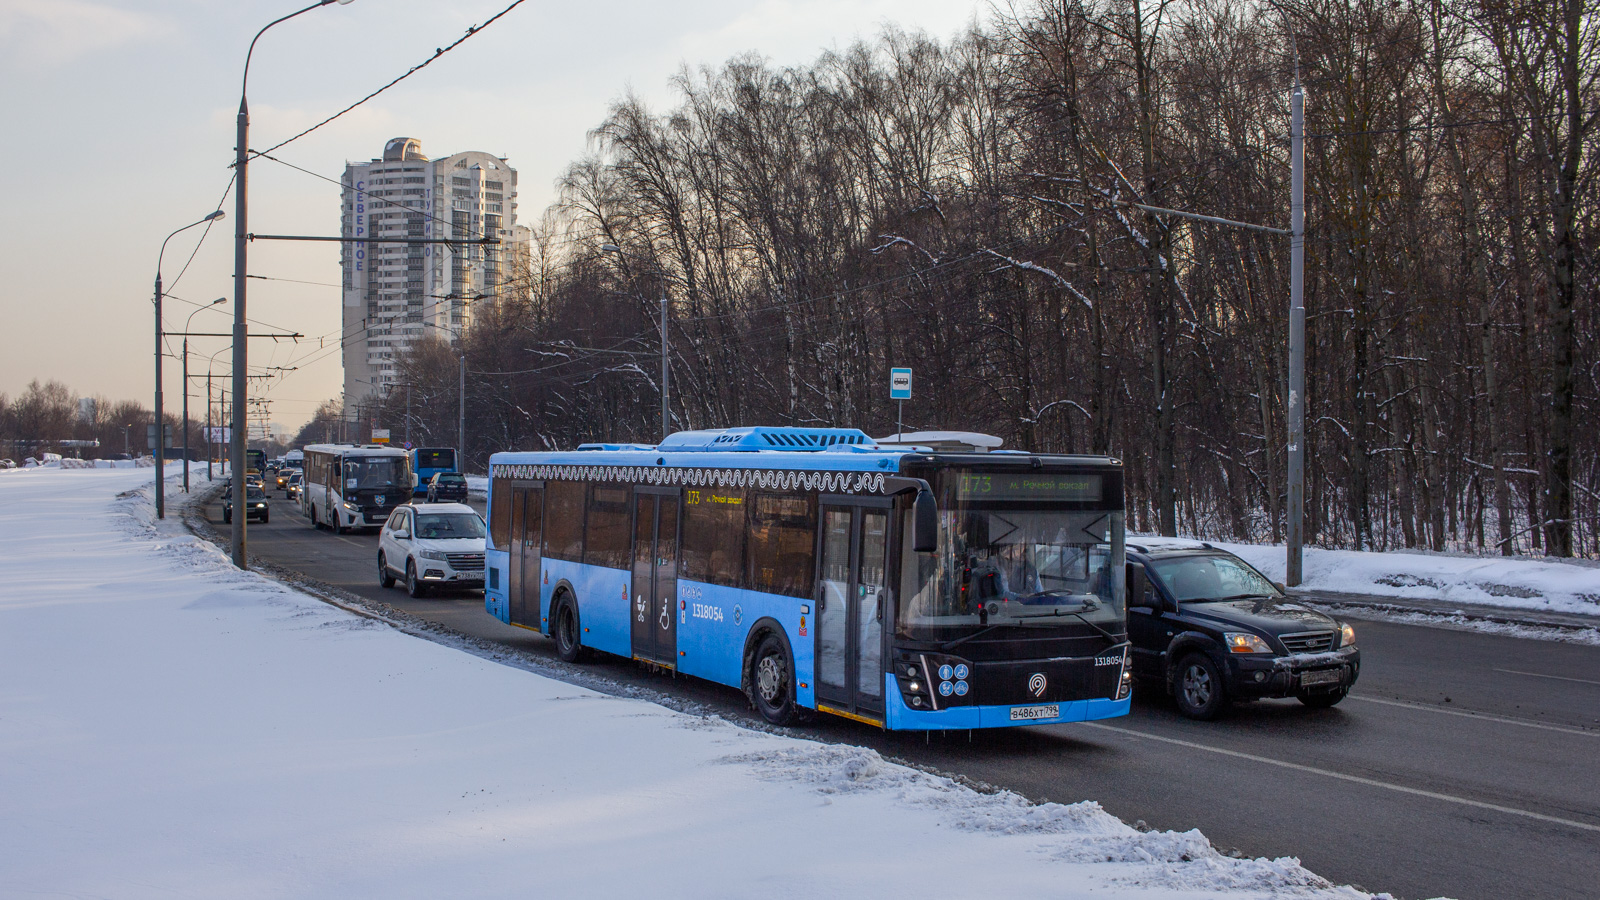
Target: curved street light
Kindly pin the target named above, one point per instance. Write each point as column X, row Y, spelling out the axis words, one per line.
column 186, row 323
column 240, row 196
column 161, row 462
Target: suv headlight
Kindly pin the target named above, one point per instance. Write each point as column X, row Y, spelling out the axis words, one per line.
column 1347, row 636
column 433, row 554
column 1240, row 642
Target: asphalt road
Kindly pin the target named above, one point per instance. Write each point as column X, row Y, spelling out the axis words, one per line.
column 1463, row 764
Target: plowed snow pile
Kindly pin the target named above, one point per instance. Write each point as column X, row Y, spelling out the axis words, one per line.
column 170, row 727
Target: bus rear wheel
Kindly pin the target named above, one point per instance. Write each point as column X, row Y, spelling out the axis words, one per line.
column 569, row 637
column 772, row 682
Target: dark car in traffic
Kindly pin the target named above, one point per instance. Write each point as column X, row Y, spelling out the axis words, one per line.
column 255, row 505
column 1208, row 629
column 447, row 487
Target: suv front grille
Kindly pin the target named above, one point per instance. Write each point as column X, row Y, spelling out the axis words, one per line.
column 1308, row 642
column 466, row 562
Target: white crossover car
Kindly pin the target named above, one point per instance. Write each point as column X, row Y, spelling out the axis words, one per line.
column 432, row 545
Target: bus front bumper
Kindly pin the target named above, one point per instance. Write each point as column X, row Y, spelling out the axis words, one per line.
column 903, row 718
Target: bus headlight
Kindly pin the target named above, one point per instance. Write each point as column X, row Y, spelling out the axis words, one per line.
column 352, row 507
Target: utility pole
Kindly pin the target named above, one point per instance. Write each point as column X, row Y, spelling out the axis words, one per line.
column 186, row 415
column 408, row 414
column 665, row 426
column 161, row 462
column 209, row 443
column 241, row 326
column 461, row 422
column 1297, row 333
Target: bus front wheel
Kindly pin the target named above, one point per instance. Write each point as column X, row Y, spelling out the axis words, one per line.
column 772, row 681
column 568, row 635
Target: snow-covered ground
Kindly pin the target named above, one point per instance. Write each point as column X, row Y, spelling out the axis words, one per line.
column 172, row 727
column 1571, row 586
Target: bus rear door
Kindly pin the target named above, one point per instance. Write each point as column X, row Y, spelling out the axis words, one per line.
column 852, row 601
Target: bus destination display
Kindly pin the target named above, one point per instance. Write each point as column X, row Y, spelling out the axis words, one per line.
column 1007, row 487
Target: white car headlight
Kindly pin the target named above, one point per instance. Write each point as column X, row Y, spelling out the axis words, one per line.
column 1239, row 642
column 433, row 554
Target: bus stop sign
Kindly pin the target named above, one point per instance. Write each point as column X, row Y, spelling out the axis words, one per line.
column 899, row 384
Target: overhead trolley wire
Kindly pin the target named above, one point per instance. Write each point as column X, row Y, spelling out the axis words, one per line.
column 438, row 52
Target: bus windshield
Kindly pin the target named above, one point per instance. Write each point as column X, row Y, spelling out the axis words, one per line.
column 1014, row 566
column 373, row 472
column 436, row 458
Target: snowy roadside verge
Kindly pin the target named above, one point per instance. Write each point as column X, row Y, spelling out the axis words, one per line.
column 171, row 725
column 1567, row 587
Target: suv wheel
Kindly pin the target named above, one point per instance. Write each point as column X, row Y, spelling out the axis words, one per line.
column 1198, row 687
column 385, row 577
column 414, row 585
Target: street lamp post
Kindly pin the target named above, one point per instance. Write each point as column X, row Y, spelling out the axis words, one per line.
column 161, row 462
column 665, row 417
column 241, row 162
column 186, row 324
column 210, row 444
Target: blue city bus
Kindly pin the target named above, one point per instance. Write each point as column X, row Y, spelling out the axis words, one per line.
column 425, row 461
column 817, row 570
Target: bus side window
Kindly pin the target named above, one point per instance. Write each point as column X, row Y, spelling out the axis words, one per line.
column 607, row 534
column 500, row 515
column 783, row 533
column 714, row 536
column 563, row 520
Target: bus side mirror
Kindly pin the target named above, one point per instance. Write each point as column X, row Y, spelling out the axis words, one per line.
column 414, row 481
column 925, row 523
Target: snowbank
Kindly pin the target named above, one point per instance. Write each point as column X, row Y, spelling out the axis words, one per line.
column 171, row 726
column 1529, row 584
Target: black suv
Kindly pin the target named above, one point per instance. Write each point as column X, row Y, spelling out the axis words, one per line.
column 447, row 487
column 1208, row 628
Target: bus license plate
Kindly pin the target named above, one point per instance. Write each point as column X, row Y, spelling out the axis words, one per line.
column 1032, row 713
column 1320, row 676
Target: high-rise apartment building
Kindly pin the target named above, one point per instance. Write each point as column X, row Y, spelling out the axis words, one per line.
column 394, row 294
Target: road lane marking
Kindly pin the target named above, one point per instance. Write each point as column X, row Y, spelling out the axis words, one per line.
column 1370, row 782
column 1556, row 677
column 1487, row 717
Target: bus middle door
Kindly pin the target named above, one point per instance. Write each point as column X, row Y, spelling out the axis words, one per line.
column 654, row 613
column 851, row 605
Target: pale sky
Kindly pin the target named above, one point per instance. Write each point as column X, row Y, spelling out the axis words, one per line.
column 117, row 126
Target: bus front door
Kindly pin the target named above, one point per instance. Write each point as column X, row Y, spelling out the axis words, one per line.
column 655, row 576
column 851, row 605
column 527, row 535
